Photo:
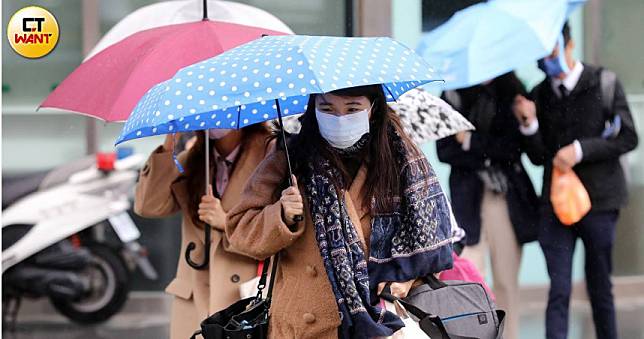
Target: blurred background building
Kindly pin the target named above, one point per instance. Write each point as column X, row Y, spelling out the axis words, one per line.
column 606, row 32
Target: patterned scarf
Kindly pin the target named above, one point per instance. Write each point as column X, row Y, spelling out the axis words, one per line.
column 410, row 242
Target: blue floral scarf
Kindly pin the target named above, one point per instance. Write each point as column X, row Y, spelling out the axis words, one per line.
column 409, row 242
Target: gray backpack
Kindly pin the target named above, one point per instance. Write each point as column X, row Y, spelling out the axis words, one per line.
column 453, row 310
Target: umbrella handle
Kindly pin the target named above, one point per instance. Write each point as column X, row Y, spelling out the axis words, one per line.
column 206, row 256
column 296, row 218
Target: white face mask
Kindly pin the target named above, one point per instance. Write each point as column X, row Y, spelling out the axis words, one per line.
column 218, row 133
column 343, row 131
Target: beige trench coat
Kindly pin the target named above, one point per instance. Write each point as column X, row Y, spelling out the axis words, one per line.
column 162, row 191
column 303, row 305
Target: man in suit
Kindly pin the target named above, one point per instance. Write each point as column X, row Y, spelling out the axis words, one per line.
column 563, row 128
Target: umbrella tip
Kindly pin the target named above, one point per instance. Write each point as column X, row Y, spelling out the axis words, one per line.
column 205, row 10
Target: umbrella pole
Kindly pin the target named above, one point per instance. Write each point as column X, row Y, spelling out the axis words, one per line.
column 207, row 230
column 288, row 159
column 205, row 10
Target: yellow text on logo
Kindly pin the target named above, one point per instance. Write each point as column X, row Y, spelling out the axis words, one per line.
column 33, row 32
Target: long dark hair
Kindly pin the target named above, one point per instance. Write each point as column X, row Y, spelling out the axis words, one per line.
column 383, row 169
column 196, row 166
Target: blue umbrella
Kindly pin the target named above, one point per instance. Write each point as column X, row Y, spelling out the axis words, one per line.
column 245, row 85
column 488, row 39
column 269, row 78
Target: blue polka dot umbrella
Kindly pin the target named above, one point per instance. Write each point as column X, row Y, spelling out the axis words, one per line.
column 269, row 78
column 272, row 76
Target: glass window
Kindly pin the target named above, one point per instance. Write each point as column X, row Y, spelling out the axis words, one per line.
column 436, row 12
column 111, row 12
column 316, row 17
column 620, row 49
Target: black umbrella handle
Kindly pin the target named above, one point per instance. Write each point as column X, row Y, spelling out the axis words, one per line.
column 206, row 252
column 297, row 218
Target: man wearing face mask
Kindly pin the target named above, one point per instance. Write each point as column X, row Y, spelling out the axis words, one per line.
column 565, row 127
column 162, row 191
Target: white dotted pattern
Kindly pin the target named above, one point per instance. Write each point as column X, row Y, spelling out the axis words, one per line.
column 239, row 87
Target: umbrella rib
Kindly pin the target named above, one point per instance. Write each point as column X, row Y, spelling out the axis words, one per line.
column 238, row 116
column 388, row 90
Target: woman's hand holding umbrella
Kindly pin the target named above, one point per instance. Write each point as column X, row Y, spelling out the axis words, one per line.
column 292, row 204
column 210, row 210
column 170, row 141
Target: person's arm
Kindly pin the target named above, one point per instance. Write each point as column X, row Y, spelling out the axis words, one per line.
column 450, row 151
column 598, row 148
column 256, row 226
column 501, row 148
column 454, row 150
column 526, row 113
column 534, row 148
column 154, row 197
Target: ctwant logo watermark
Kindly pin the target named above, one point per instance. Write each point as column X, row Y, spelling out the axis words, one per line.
column 33, row 32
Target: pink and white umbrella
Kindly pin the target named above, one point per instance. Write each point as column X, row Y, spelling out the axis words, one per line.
column 182, row 11
column 109, row 84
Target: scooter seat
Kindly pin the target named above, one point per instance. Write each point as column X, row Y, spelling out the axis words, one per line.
column 18, row 186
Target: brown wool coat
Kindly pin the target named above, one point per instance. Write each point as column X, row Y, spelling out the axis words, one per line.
column 303, row 305
column 162, row 191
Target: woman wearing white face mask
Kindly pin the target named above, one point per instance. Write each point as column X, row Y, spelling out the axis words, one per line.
column 162, row 191
column 373, row 214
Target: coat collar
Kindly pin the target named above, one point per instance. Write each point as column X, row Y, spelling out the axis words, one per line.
column 355, row 190
column 357, row 212
column 245, row 165
column 587, row 80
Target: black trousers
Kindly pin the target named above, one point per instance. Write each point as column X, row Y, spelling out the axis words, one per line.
column 597, row 232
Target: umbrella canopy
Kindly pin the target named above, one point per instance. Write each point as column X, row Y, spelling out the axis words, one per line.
column 109, row 85
column 425, row 117
column 176, row 12
column 250, row 83
column 254, row 82
column 488, row 39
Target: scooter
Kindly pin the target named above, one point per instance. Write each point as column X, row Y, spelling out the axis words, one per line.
column 67, row 236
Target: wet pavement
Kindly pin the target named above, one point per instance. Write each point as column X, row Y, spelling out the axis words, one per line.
column 146, row 316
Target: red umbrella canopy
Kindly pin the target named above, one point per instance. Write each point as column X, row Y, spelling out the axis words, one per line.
column 109, row 85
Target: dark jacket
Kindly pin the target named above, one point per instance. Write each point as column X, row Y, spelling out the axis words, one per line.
column 580, row 116
column 498, row 144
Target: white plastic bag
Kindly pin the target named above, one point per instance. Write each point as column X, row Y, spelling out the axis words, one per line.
column 411, row 330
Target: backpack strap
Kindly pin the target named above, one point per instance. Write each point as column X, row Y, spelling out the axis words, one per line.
column 607, row 80
column 613, row 122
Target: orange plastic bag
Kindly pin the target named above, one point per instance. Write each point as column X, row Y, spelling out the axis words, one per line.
column 569, row 198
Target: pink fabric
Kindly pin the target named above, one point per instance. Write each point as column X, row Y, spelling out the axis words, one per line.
column 109, row 85
column 465, row 270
